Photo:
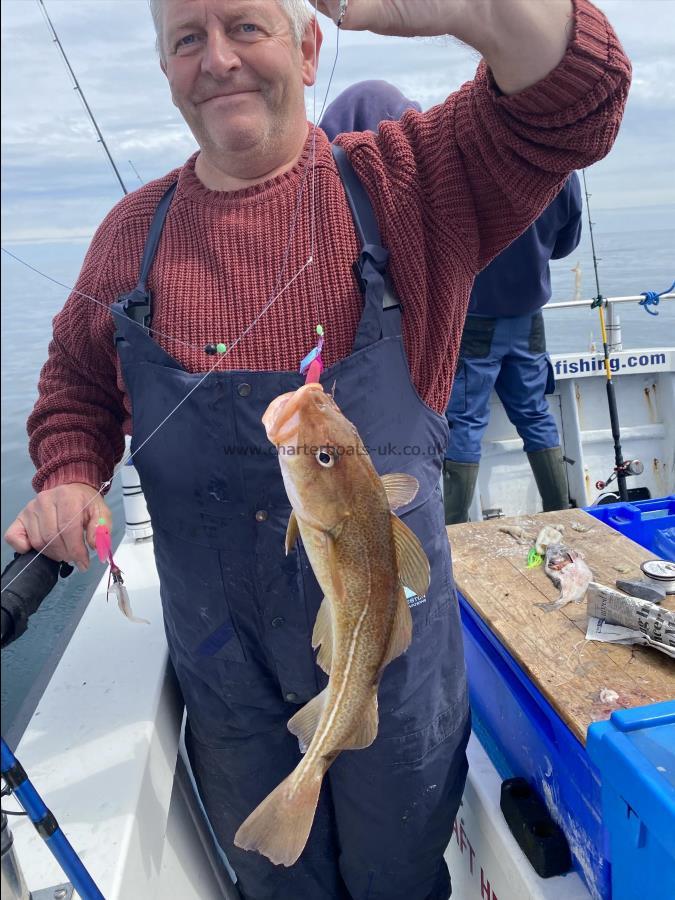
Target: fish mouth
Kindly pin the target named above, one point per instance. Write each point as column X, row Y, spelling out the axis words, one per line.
column 281, row 418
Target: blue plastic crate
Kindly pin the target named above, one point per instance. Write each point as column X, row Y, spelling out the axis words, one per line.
column 635, row 754
column 524, row 735
column 650, row 523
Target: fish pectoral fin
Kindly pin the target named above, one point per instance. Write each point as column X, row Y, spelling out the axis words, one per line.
column 304, row 723
column 401, row 489
column 413, row 565
column 366, row 731
column 322, row 636
column 401, row 631
column 292, row 532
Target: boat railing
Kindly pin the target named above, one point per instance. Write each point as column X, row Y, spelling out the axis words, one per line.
column 633, row 298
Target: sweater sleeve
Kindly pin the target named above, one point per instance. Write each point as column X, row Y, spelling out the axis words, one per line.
column 517, row 151
column 482, row 166
column 76, row 427
column 455, row 185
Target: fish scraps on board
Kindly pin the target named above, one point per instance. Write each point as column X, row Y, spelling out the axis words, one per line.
column 569, row 573
column 548, row 535
column 362, row 555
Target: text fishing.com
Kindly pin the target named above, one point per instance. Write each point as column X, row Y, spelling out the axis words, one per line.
column 597, row 364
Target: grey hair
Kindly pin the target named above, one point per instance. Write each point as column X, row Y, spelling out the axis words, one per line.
column 299, row 15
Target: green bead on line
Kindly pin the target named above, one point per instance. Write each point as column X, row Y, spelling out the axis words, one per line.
column 319, row 330
column 101, row 521
column 221, row 348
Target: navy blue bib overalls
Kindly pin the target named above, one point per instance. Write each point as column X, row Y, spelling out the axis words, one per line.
column 239, row 613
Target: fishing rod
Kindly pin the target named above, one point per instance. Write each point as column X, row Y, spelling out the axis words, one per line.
column 45, row 824
column 101, row 139
column 622, row 468
column 136, row 172
column 24, row 587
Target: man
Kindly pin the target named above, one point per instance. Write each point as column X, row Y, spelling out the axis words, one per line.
column 257, row 247
column 504, row 348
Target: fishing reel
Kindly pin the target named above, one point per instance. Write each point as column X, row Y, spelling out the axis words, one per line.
column 630, row 467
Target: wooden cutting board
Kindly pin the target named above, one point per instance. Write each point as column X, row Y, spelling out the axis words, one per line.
column 585, row 681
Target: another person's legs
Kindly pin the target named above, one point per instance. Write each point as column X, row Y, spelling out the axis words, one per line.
column 525, row 378
column 468, row 414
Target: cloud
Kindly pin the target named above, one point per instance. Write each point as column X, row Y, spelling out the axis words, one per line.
column 57, row 181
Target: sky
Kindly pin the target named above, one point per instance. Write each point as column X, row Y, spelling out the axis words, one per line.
column 57, row 183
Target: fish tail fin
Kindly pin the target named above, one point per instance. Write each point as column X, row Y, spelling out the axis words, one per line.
column 279, row 827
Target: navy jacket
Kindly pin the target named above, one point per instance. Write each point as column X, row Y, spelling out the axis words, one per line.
column 518, row 281
column 362, row 106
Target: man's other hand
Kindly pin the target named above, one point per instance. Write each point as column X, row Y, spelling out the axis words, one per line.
column 57, row 521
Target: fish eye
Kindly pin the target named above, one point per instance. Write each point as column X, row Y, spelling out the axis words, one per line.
column 326, row 457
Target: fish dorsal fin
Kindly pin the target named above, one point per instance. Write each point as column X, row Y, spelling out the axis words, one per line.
column 322, row 636
column 401, row 630
column 401, row 489
column 292, row 532
column 366, row 731
column 304, row 723
column 413, row 565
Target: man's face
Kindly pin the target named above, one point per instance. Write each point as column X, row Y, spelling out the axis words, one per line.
column 235, row 72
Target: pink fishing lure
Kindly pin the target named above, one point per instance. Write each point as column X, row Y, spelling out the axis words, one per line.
column 103, row 542
column 116, row 584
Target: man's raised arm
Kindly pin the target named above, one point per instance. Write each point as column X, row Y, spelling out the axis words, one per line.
column 521, row 40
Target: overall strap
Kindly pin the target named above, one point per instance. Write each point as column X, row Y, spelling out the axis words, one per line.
column 138, row 303
column 381, row 315
column 366, row 228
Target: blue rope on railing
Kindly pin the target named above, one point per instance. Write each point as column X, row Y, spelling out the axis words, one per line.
column 652, row 299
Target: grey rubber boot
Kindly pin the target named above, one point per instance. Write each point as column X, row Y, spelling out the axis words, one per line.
column 459, row 481
column 548, row 467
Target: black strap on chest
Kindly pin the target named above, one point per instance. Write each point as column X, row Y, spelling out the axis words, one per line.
column 138, row 303
column 365, row 222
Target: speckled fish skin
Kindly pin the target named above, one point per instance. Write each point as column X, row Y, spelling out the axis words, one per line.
column 568, row 571
column 343, row 514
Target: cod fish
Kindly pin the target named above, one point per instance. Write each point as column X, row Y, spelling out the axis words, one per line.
column 361, row 555
column 568, row 572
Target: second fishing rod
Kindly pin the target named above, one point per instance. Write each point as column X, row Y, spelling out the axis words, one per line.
column 621, row 467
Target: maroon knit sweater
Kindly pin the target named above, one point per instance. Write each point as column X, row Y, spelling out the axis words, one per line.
column 451, row 188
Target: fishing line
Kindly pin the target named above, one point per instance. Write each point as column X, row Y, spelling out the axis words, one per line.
column 100, row 303
column 130, row 455
column 316, row 122
column 125, row 459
